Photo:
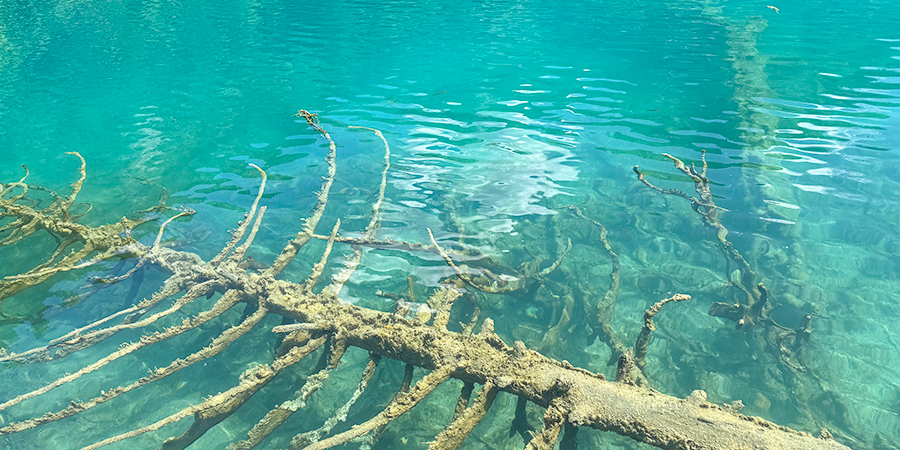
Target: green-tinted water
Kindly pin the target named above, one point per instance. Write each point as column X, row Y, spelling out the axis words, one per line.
column 498, row 114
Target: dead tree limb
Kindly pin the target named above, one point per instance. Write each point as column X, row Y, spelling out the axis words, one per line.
column 643, row 339
column 751, row 312
column 100, row 243
column 457, row 431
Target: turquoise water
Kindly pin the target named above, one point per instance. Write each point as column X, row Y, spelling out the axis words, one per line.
column 501, row 113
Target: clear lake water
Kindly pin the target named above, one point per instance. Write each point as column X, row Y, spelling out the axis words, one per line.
column 498, row 116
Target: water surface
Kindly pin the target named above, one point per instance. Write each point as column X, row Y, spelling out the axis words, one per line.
column 498, row 115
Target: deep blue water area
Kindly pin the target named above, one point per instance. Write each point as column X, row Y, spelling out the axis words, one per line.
column 498, row 116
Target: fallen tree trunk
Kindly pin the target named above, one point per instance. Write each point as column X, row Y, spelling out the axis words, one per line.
column 585, row 398
column 572, row 397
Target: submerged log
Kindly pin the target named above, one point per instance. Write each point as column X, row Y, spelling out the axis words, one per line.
column 572, row 396
column 585, row 398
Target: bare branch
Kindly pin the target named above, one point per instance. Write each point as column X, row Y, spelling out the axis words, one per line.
column 554, row 418
column 309, row 224
column 441, row 301
column 643, row 339
column 352, row 262
column 223, row 304
column 304, row 439
column 452, row 436
column 218, row 407
column 395, row 409
column 281, row 413
column 220, row 343
column 242, row 228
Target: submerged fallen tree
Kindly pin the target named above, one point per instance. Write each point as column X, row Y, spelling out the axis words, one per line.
column 572, row 397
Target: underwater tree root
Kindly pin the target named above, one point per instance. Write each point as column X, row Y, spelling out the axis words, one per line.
column 573, row 397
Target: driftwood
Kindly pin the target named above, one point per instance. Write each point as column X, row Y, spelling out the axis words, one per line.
column 572, row 397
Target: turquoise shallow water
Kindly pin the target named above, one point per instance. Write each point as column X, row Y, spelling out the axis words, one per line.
column 500, row 113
